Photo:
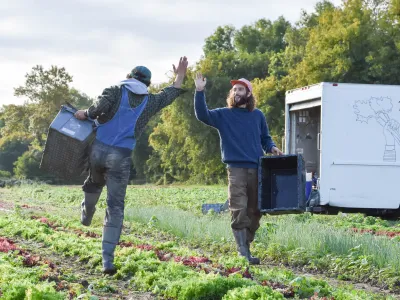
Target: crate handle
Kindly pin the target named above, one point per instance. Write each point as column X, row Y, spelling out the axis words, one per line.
column 68, row 108
column 73, row 110
column 70, row 105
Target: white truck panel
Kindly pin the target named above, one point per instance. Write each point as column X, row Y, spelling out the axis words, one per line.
column 360, row 135
column 304, row 93
column 360, row 142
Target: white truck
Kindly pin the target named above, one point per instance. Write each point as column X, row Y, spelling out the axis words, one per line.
column 349, row 138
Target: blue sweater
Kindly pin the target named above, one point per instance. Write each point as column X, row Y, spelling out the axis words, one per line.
column 244, row 135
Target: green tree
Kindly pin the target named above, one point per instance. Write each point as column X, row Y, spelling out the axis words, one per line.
column 221, row 40
column 12, row 147
column 78, row 99
column 45, row 91
column 141, row 154
column 2, row 123
column 27, row 165
column 14, row 119
column 263, row 36
column 355, row 43
column 270, row 95
column 182, row 148
column 193, row 152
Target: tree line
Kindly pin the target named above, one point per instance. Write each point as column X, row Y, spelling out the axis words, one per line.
column 355, row 42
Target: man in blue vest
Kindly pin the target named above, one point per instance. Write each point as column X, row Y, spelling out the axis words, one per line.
column 121, row 112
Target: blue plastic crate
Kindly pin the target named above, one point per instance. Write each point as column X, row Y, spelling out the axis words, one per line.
column 281, row 184
column 217, row 207
column 66, row 151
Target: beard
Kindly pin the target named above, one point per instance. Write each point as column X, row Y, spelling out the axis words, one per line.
column 240, row 100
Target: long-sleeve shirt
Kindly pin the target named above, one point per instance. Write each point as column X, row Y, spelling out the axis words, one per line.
column 107, row 105
column 244, row 134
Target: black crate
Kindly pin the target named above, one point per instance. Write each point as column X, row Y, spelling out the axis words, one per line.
column 66, row 152
column 281, row 184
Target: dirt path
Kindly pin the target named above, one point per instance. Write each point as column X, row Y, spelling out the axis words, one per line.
column 36, row 254
column 299, row 271
column 334, row 282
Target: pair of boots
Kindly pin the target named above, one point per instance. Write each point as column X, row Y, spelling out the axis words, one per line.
column 243, row 245
column 111, row 234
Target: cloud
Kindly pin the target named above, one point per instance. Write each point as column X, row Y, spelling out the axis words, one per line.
column 98, row 42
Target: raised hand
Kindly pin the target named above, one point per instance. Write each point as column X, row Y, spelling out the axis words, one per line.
column 200, row 82
column 180, row 71
column 182, row 67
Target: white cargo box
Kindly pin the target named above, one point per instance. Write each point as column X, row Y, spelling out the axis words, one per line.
column 349, row 137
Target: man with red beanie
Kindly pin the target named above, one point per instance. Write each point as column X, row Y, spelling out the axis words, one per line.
column 245, row 137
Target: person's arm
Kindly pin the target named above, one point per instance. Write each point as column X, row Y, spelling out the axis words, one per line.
column 164, row 98
column 102, row 105
column 201, row 110
column 167, row 95
column 180, row 72
column 266, row 139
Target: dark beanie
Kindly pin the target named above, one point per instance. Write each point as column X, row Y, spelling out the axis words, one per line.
column 142, row 74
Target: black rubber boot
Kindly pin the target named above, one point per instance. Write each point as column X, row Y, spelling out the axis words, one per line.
column 88, row 207
column 243, row 246
column 110, row 240
column 255, row 260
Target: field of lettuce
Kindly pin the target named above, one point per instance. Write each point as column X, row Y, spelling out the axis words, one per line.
column 170, row 250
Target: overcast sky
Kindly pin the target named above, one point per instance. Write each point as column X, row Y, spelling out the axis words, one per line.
column 100, row 41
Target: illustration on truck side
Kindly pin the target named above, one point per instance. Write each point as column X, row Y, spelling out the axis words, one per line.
column 380, row 109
